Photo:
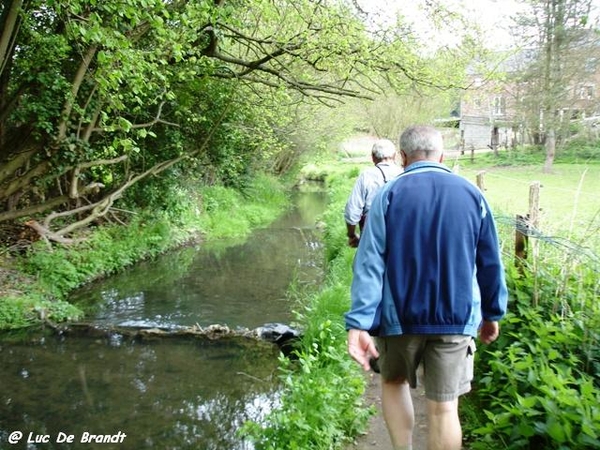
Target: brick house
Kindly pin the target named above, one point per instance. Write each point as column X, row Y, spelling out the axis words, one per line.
column 489, row 113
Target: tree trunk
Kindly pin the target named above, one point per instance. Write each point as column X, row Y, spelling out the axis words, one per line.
column 550, row 150
column 9, row 22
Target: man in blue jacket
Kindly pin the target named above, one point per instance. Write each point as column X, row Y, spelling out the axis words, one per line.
column 428, row 278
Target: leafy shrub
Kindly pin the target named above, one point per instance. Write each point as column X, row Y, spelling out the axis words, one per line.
column 320, row 405
column 14, row 313
column 538, row 395
column 231, row 213
column 539, row 387
column 19, row 312
column 581, row 149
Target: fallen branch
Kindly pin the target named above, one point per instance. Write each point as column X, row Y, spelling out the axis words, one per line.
column 46, row 234
column 275, row 333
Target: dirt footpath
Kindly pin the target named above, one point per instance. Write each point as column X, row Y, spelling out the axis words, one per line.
column 377, row 437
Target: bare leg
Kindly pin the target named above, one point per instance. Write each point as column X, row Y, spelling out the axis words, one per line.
column 398, row 412
column 445, row 432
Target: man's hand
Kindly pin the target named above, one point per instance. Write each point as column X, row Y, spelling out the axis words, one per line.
column 353, row 238
column 361, row 347
column 353, row 241
column 489, row 332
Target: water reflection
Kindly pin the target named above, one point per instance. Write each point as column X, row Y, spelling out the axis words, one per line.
column 173, row 393
column 169, row 393
column 241, row 285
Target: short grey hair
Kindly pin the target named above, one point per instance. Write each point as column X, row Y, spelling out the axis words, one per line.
column 383, row 148
column 422, row 139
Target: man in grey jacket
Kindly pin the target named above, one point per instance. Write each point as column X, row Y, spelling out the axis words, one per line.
column 383, row 155
column 428, row 277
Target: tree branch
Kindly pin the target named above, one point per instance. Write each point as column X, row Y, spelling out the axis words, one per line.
column 10, row 27
column 77, row 81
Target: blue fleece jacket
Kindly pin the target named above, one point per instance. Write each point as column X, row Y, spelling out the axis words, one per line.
column 429, row 260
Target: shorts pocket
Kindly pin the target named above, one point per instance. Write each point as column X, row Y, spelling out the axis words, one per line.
column 471, row 349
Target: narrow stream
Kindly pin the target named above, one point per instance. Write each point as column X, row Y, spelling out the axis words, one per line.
column 175, row 393
column 237, row 285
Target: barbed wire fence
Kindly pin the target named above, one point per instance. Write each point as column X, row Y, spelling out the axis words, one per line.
column 574, row 248
column 529, row 237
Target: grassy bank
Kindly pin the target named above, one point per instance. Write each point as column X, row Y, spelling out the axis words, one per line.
column 321, row 405
column 35, row 286
column 536, row 387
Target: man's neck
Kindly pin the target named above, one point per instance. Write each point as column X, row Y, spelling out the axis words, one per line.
column 422, row 160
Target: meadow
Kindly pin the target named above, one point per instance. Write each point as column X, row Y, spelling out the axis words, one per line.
column 569, row 197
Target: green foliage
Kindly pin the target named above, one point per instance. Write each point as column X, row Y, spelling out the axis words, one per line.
column 108, row 250
column 175, row 194
column 533, row 389
column 339, row 188
column 390, row 113
column 15, row 312
column 320, row 403
column 226, row 213
column 579, row 150
column 103, row 95
column 23, row 311
column 522, row 156
column 265, row 190
column 231, row 213
column 538, row 384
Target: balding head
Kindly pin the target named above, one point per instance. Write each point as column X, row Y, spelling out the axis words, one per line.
column 383, row 149
column 421, row 142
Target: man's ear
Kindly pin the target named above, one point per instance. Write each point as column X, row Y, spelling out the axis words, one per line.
column 404, row 158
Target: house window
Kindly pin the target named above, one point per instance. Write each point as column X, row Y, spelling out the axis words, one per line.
column 586, row 92
column 591, row 64
column 499, row 106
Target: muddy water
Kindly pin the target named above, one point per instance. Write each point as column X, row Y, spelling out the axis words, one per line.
column 58, row 391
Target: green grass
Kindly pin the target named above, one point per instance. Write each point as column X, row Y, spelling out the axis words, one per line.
column 568, row 196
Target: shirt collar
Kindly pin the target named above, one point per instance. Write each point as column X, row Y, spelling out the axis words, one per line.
column 426, row 165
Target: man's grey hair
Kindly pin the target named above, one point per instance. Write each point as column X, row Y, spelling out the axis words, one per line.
column 383, row 148
column 423, row 139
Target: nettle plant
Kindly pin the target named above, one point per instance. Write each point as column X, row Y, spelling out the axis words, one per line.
column 539, row 385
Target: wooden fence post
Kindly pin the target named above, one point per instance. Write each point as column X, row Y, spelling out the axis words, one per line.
column 533, row 224
column 525, row 226
column 521, row 241
column 480, row 181
column 534, row 213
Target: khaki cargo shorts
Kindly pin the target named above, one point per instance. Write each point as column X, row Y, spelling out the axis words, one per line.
column 447, row 362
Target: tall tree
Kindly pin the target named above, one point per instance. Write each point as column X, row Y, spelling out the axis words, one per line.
column 97, row 96
column 561, row 35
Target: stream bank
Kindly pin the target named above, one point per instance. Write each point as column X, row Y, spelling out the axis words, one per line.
column 179, row 392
